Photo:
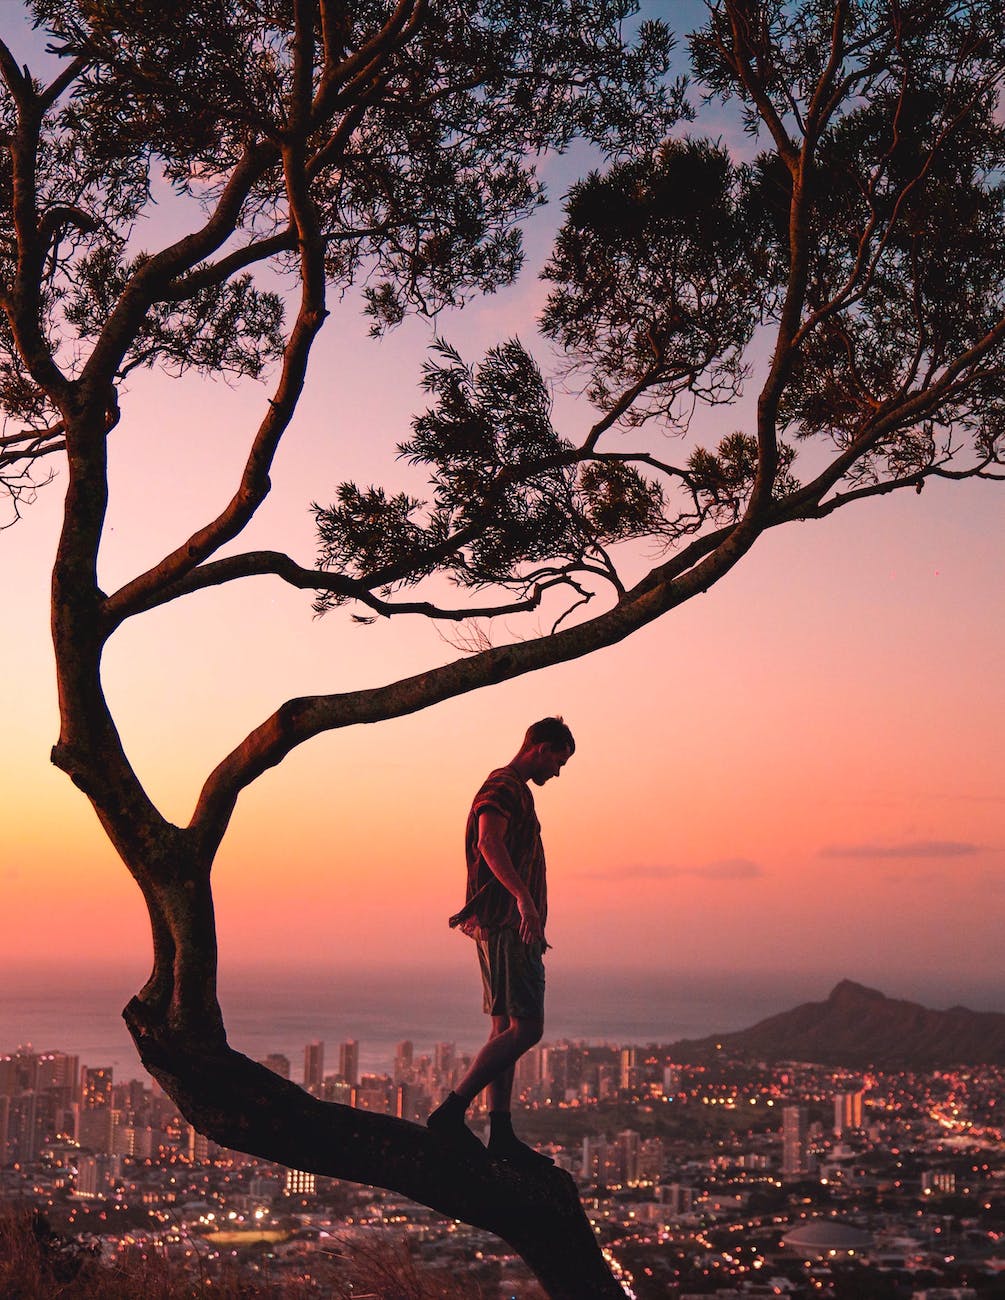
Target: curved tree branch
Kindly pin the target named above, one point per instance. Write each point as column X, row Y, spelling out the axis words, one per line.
column 693, row 570
column 243, row 1105
column 275, row 563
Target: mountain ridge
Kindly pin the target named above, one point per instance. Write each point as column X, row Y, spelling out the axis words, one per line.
column 860, row 1026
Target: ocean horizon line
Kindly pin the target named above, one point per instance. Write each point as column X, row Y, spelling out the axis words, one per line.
column 278, row 1008
column 801, row 984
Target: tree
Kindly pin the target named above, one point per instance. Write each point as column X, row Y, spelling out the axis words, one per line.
column 392, row 146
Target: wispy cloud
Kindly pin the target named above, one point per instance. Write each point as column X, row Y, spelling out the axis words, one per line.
column 724, row 869
column 906, row 849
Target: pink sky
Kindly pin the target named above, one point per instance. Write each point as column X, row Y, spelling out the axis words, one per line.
column 802, row 769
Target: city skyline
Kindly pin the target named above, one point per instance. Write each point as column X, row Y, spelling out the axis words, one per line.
column 802, row 1174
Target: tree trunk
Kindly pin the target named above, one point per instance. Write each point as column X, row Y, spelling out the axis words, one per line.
column 242, row 1105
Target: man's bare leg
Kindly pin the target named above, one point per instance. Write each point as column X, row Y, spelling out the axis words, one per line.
column 509, row 1039
column 501, row 1091
column 493, row 1068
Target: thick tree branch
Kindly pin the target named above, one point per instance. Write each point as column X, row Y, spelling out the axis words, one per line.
column 340, row 82
column 29, row 444
column 152, row 280
column 824, row 101
column 214, row 273
column 693, row 570
column 741, row 59
column 22, row 299
column 63, row 82
column 16, row 81
column 148, row 589
column 242, row 1105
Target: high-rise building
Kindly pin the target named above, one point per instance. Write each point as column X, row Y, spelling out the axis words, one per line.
column 338, row 1090
column 651, row 1160
column 96, row 1086
column 404, row 1101
column 847, row 1111
column 443, row 1060
column 197, row 1146
column 375, row 1092
column 300, row 1183
column 555, row 1071
column 18, row 1072
column 528, row 1073
column 22, row 1125
column 594, row 1156
column 628, row 1157
column 348, row 1061
column 88, row 1180
column 795, row 1154
column 403, row 1056
column 57, row 1070
column 314, row 1067
column 94, row 1115
column 678, row 1198
column 279, row 1064
column 629, row 1069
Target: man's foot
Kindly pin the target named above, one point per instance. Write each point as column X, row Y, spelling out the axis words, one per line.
column 505, row 1145
column 518, row 1153
column 447, row 1122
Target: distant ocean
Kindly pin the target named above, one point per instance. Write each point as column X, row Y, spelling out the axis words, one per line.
column 78, row 1010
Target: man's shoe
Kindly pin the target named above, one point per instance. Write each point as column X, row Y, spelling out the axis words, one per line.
column 448, row 1128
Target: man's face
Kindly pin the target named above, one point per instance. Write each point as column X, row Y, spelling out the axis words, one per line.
column 548, row 763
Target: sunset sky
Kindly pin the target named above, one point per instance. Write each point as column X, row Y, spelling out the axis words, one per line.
column 802, row 769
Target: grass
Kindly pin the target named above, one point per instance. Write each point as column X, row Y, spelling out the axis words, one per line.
column 39, row 1264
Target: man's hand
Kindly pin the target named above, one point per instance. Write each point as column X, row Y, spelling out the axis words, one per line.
column 531, row 929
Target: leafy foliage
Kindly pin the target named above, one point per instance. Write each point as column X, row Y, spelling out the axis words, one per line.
column 508, row 494
column 417, row 140
column 858, row 244
column 868, row 239
column 662, row 272
column 722, row 479
column 418, row 176
column 230, row 328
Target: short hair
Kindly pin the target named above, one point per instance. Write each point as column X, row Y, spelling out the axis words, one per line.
column 552, row 732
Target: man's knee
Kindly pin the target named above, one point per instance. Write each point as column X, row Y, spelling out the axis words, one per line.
column 528, row 1031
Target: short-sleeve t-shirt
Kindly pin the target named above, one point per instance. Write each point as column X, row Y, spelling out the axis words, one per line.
column 489, row 905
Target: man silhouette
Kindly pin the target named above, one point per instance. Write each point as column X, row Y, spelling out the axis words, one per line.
column 505, row 913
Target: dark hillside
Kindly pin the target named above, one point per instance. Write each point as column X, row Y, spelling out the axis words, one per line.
column 858, row 1026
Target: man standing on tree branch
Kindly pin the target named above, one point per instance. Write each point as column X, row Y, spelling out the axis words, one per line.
column 505, row 913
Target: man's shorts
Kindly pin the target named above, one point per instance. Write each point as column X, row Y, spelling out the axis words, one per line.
column 512, row 975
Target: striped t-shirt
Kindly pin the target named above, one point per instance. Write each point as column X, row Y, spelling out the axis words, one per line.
column 489, row 904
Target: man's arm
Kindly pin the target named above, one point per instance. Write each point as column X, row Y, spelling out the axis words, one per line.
column 492, row 846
